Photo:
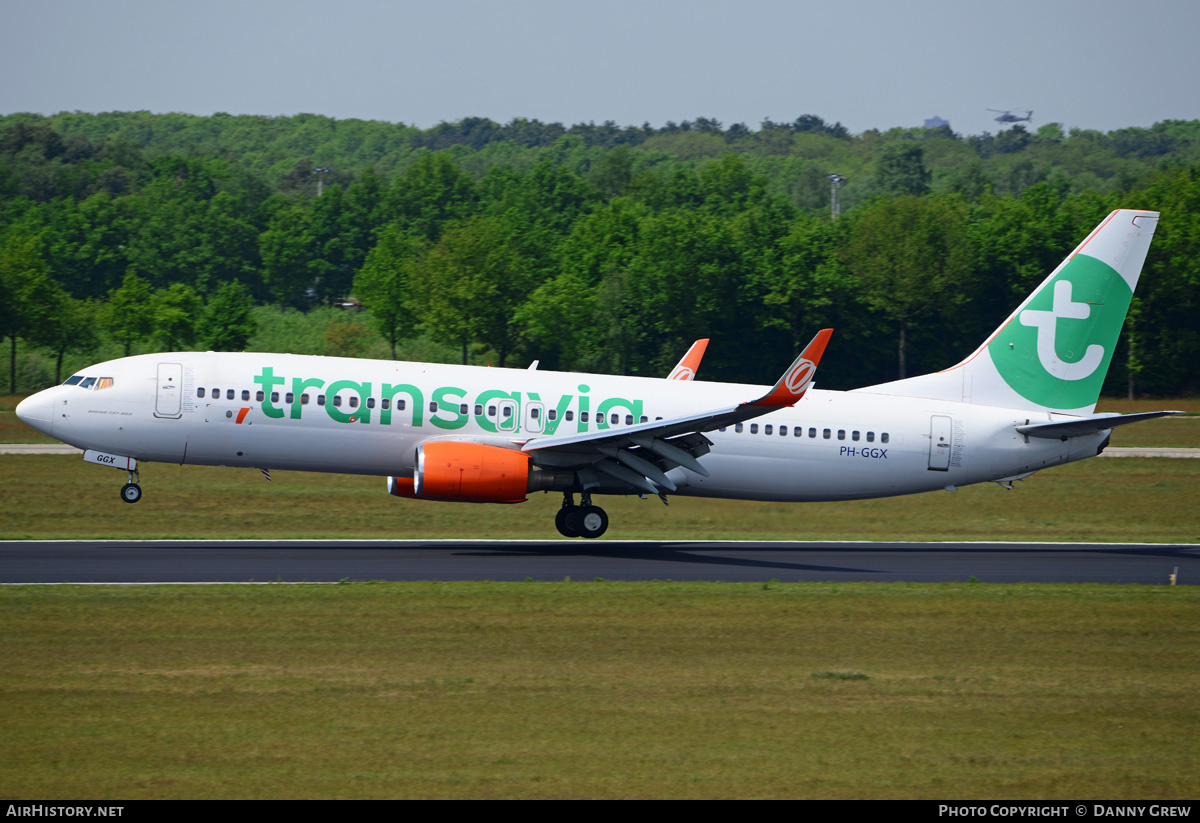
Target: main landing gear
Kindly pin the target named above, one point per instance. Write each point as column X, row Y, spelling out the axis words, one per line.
column 580, row 521
column 131, row 492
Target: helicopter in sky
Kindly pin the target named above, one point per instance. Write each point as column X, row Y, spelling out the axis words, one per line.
column 1009, row 117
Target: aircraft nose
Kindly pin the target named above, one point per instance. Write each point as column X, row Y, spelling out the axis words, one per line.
column 37, row 410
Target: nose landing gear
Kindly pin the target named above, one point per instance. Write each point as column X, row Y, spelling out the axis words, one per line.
column 580, row 521
column 131, row 492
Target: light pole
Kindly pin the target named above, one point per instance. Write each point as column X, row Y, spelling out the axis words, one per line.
column 321, row 171
column 835, row 183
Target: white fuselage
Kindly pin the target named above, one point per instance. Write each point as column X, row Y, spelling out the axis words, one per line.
column 328, row 415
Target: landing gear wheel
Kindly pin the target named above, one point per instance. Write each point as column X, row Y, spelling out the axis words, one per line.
column 131, row 492
column 567, row 521
column 592, row 521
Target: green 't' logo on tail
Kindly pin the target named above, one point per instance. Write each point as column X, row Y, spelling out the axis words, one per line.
column 1056, row 351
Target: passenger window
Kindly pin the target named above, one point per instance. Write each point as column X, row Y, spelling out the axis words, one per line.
column 215, row 393
column 883, row 438
column 479, row 409
column 386, row 403
column 854, row 435
column 354, row 401
column 644, row 419
column 552, row 414
column 337, row 400
column 826, row 433
column 258, row 396
column 754, row 428
column 245, row 394
column 534, row 413
column 200, row 392
column 491, row 411
column 813, row 433
column 870, row 437
column 228, row 393
column 570, row 415
column 841, row 434
column 722, row 428
column 462, row 408
column 738, row 428
column 507, row 411
column 583, row 417
column 304, row 399
column 400, row 404
column 799, row 431
column 433, row 405
column 370, row 402
column 289, row 397
column 614, row 418
column 629, row 420
column 320, row 400
column 768, row 428
column 274, row 397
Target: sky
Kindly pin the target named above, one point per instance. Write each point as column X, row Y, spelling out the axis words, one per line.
column 869, row 64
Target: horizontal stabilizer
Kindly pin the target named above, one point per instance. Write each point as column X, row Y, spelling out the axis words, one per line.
column 1087, row 425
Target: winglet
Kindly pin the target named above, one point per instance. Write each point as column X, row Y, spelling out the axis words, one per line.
column 796, row 380
column 686, row 368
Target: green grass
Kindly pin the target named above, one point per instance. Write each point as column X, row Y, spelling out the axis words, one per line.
column 1180, row 432
column 606, row 690
column 49, row 496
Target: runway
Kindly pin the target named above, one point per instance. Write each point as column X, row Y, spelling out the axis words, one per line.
column 294, row 561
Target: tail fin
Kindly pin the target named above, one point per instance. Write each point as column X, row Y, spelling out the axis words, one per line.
column 1053, row 352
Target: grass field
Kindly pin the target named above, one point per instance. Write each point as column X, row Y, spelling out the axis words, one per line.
column 538, row 690
column 50, row 496
column 603, row 689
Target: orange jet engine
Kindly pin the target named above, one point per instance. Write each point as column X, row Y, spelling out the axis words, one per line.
column 466, row 472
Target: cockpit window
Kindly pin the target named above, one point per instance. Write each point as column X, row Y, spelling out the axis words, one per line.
column 91, row 383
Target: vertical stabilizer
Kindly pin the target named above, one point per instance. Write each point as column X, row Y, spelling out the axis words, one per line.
column 1053, row 352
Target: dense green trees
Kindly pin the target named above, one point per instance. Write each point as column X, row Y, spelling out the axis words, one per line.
column 911, row 256
column 28, row 296
column 589, row 247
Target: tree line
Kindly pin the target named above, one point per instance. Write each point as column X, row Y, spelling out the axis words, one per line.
column 609, row 256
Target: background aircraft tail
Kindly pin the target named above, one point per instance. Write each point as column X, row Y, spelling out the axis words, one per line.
column 1053, row 352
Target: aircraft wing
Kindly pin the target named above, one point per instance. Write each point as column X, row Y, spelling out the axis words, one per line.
column 641, row 454
column 1065, row 429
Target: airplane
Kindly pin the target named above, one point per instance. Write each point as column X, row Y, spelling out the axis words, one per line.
column 1022, row 402
column 1009, row 117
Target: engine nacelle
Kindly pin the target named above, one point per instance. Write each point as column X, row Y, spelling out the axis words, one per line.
column 470, row 472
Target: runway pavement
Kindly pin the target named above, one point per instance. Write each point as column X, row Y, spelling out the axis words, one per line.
column 199, row 561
